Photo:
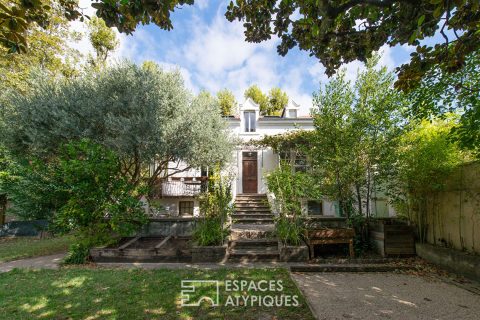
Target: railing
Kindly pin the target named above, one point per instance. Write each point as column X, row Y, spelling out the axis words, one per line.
column 176, row 188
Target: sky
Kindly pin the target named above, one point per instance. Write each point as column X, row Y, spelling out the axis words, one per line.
column 211, row 54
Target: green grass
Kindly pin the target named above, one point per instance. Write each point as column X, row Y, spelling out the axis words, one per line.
column 26, row 247
column 83, row 293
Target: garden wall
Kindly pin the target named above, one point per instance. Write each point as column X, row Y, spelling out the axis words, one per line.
column 176, row 226
column 453, row 214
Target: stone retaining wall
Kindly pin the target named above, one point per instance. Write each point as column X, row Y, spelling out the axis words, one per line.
column 467, row 265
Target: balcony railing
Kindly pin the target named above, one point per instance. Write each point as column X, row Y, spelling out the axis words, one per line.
column 177, row 188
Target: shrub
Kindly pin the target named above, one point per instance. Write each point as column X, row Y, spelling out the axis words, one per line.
column 216, row 205
column 77, row 254
column 81, row 190
column 210, row 231
column 290, row 188
column 289, row 230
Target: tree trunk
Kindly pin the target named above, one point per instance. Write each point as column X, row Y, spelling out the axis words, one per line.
column 3, row 208
column 359, row 199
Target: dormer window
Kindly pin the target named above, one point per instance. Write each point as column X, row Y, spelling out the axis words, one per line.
column 250, row 121
column 292, row 113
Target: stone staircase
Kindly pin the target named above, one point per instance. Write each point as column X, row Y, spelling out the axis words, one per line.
column 252, row 233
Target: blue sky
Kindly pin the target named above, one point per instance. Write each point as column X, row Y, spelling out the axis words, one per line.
column 211, row 54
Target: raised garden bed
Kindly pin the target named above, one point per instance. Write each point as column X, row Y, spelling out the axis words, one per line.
column 145, row 249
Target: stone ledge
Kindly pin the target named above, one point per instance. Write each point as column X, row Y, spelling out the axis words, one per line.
column 293, row 253
column 467, row 265
column 209, row 253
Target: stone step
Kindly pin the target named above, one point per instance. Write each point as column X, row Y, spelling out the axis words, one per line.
column 249, row 211
column 252, row 205
column 252, row 255
column 253, row 200
column 255, row 221
column 251, row 195
column 248, row 203
column 255, row 243
column 244, row 231
column 252, row 215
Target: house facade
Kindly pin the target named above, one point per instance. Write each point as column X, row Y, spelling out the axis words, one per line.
column 249, row 166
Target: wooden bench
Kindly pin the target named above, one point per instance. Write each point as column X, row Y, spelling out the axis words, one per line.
column 329, row 236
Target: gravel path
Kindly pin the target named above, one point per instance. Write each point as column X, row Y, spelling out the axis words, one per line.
column 385, row 296
column 44, row 262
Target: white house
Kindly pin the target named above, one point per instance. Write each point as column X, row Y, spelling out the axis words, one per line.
column 250, row 164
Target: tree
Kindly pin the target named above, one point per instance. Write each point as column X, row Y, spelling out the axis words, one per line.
column 255, row 93
column 425, row 158
column 376, row 123
column 338, row 32
column 269, row 105
column 145, row 115
column 102, row 38
column 334, row 140
column 353, row 145
column 277, row 101
column 227, row 102
column 441, row 93
column 18, row 17
column 49, row 52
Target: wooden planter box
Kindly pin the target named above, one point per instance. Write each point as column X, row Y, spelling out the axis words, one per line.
column 392, row 237
column 209, row 254
column 289, row 253
column 330, row 236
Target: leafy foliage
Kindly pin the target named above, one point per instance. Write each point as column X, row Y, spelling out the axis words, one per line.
column 271, row 104
column 144, row 115
column 100, row 201
column 338, row 32
column 216, row 206
column 49, row 51
column 352, row 149
column 81, row 190
column 289, row 230
column 255, row 93
column 17, row 17
column 102, row 38
column 290, row 187
column 440, row 93
column 426, row 157
column 227, row 102
column 277, row 101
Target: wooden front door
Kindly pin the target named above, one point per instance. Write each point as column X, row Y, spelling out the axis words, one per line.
column 249, row 172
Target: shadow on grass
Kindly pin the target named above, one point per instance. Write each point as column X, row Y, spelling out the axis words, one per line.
column 79, row 293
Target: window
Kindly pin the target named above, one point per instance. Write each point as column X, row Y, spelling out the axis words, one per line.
column 249, row 117
column 300, row 163
column 292, row 113
column 185, row 208
column 314, row 208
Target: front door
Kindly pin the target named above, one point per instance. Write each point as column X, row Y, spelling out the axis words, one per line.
column 249, row 175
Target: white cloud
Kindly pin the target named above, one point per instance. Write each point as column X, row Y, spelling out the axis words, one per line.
column 202, row 4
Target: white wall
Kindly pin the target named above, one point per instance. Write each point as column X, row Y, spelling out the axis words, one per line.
column 171, row 206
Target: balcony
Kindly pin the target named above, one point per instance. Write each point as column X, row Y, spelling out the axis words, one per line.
column 188, row 187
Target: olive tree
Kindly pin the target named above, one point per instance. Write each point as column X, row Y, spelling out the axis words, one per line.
column 143, row 114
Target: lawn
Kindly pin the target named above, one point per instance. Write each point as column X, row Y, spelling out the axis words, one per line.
column 87, row 293
column 26, row 247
